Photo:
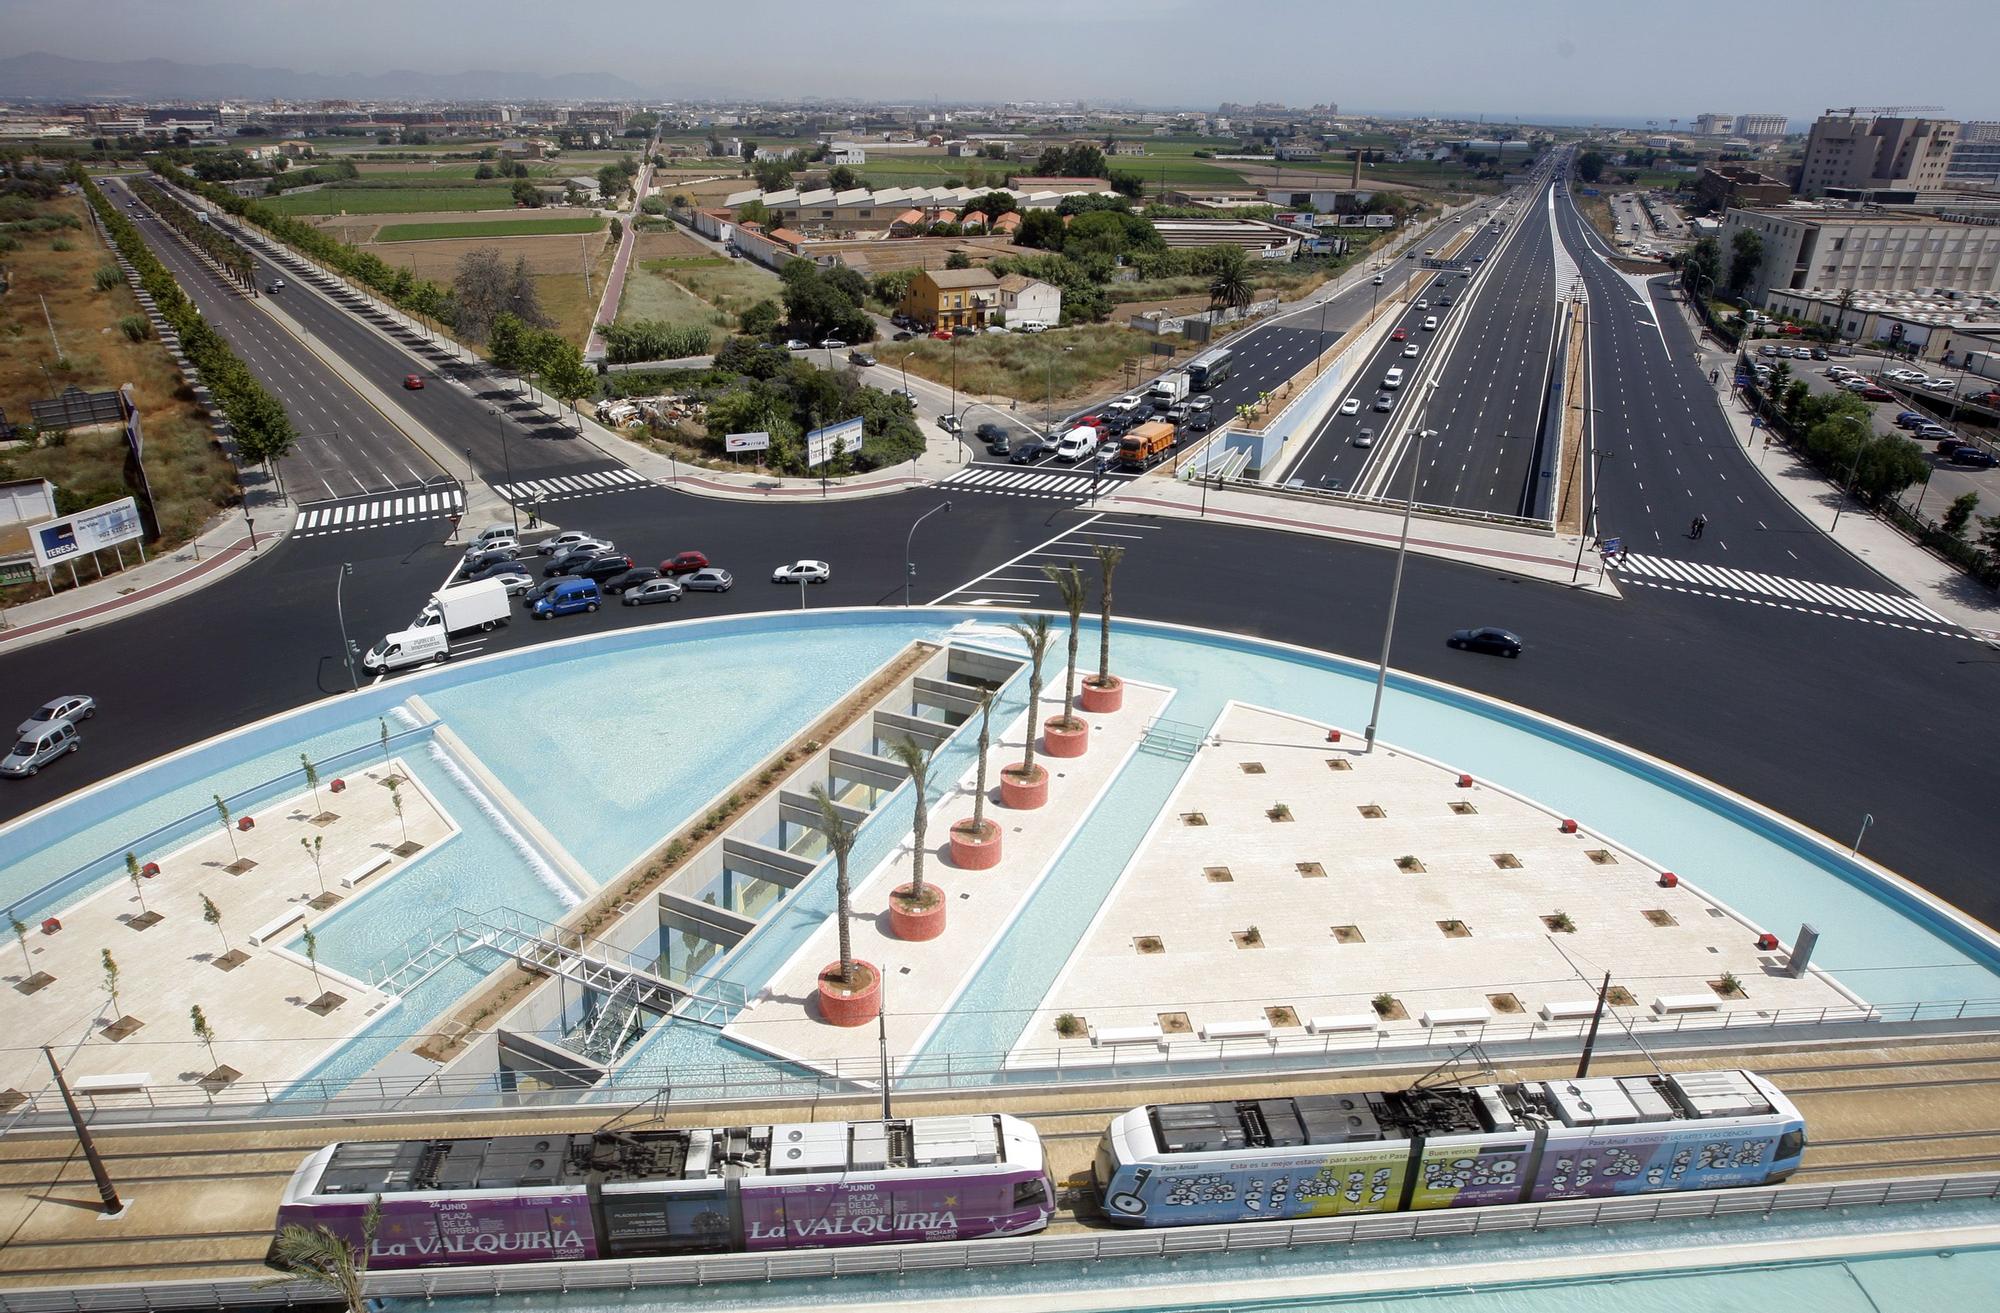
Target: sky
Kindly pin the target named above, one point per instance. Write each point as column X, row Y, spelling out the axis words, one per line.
column 1546, row 60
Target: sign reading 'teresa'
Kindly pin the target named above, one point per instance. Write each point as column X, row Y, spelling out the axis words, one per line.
column 86, row 531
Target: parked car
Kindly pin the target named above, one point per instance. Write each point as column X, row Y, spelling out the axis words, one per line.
column 568, row 541
column 1032, row 328
column 414, row 382
column 69, row 709
column 602, row 567
column 661, row 589
column 710, row 580
column 1874, row 393
column 802, row 572
column 1931, row 432
column 1500, row 642
column 496, row 570
column 683, row 563
column 1974, row 457
column 1819, row 353
column 901, row 335
column 567, row 598
column 941, row 334
column 33, row 751
column 568, row 562
column 629, row 579
column 514, row 578
column 1906, row 419
column 797, row 344
column 860, row 358
column 1351, row 406
column 1946, row 446
column 482, row 561
column 832, row 344
column 950, row 424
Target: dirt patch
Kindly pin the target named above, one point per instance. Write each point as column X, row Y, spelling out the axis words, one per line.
column 666, row 244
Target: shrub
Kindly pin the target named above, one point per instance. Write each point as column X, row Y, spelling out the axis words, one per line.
column 1069, row 1025
column 62, row 244
column 137, row 328
column 1384, row 1003
column 107, row 278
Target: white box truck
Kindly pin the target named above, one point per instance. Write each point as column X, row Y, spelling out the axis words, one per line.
column 480, row 604
column 1168, row 390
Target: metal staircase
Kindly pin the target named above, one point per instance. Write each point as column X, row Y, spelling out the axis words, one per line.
column 1172, row 738
column 615, row 1025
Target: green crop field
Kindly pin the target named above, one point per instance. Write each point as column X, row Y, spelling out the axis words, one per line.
column 390, row 200
column 428, row 232
column 415, row 174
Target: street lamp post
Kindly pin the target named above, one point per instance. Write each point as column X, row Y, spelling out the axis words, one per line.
column 507, row 453
column 1396, row 586
column 1853, row 470
column 909, row 566
column 346, row 647
column 1588, row 528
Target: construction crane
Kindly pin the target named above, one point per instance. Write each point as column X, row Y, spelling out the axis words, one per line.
column 1852, row 110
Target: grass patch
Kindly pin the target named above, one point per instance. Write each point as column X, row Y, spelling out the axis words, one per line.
column 378, row 171
column 731, row 286
column 565, row 301
column 391, row 200
column 1070, row 361
column 650, row 294
column 428, row 232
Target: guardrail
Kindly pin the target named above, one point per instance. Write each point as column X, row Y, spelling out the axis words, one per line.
column 1175, row 1243
column 1425, row 510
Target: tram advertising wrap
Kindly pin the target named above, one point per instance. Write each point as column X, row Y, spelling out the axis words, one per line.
column 1366, row 1179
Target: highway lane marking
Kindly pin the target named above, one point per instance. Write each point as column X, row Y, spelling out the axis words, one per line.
column 1805, row 610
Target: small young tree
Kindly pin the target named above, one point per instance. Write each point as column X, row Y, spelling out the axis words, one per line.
column 839, row 832
column 137, row 877
column 312, row 779
column 1107, row 565
column 1034, row 631
column 384, row 726
column 1959, row 514
column 203, row 1032
column 213, row 915
column 20, row 929
column 111, row 981
column 916, row 759
column 311, row 942
column 228, row 821
column 320, row 1257
column 312, row 847
column 1069, row 584
column 396, row 801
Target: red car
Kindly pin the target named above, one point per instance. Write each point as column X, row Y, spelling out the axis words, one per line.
column 684, row 563
column 1877, row 394
column 414, row 382
column 1399, row 335
column 942, row 335
column 1091, row 422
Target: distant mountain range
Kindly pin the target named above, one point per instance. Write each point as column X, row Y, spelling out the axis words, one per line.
column 57, row 77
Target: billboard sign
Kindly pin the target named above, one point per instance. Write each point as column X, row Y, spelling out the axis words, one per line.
column 86, row 531
column 735, row 442
column 823, row 444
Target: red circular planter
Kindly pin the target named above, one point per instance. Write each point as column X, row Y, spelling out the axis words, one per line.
column 970, row 852
column 916, row 923
column 1058, row 741
column 842, row 1008
column 1024, row 795
column 1102, row 698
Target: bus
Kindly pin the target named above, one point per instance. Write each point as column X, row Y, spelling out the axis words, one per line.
column 1208, row 369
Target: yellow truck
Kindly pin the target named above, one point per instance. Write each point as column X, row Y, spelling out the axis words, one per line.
column 1147, row 445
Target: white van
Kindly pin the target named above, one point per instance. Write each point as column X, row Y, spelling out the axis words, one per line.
column 1393, row 379
column 411, row 647
column 491, row 536
column 1076, row 444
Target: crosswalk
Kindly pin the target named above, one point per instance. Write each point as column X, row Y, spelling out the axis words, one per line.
column 1665, row 569
column 561, row 487
column 1033, row 481
column 378, row 510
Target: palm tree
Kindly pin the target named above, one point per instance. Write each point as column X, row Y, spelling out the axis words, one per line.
column 1069, row 583
column 319, row 1257
column 1107, row 565
column 1034, row 631
column 839, row 832
column 1231, row 284
column 978, row 823
column 916, row 759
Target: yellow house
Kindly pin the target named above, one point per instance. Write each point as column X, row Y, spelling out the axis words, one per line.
column 951, row 298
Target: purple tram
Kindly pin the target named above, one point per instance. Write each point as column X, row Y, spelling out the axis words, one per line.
column 626, row 1194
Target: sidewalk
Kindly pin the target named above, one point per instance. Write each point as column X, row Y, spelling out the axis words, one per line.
column 1935, row 582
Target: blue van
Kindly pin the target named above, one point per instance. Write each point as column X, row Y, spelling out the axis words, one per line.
column 569, row 597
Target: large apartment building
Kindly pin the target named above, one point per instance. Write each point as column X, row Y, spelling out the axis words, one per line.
column 1761, row 125
column 1866, row 249
column 1857, row 151
column 1975, row 160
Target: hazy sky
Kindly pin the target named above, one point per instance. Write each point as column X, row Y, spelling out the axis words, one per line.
column 1531, row 58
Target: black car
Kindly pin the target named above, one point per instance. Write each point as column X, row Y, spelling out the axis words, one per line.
column 901, row 336
column 1499, row 642
column 563, row 562
column 1976, row 457
column 481, row 564
column 541, row 590
column 999, row 445
column 988, row 431
column 601, row 568
column 1031, row 449
column 632, row 578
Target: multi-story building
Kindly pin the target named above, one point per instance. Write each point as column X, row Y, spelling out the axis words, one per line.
column 1866, row 249
column 1759, row 125
column 1725, row 185
column 1847, row 150
column 1714, row 125
column 1975, row 160
column 951, row 298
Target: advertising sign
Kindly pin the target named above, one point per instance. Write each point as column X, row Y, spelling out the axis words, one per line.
column 823, row 444
column 1465, row 1174
column 86, row 531
column 1327, row 1183
column 746, row 442
column 1620, row 1161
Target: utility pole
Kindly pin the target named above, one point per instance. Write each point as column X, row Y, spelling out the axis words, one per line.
column 1396, row 587
column 1590, row 1039
column 106, row 1191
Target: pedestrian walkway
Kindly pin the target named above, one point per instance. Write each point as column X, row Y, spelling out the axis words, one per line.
column 1034, row 481
column 225, row 547
column 560, row 487
column 1797, row 590
column 379, row 510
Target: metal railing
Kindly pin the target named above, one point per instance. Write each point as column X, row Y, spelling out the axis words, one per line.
column 1423, row 510
column 1177, row 1243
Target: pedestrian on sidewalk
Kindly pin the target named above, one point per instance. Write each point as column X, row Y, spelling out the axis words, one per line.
column 1700, row 523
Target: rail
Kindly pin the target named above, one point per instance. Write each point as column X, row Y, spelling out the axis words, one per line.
column 1068, row 1067
column 1166, row 1243
column 1426, row 510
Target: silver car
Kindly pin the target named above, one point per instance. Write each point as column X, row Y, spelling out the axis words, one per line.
column 70, row 709
column 711, row 580
column 38, row 748
column 653, row 590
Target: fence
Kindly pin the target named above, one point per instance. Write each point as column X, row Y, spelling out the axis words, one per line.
column 1424, row 510
column 1165, row 1243
column 76, row 408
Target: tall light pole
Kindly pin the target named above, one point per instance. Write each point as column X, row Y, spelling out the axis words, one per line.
column 1396, row 586
column 507, row 453
column 346, row 647
column 909, row 566
column 1585, row 530
column 1853, row 470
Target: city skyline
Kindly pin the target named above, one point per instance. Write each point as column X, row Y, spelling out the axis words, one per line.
column 1552, row 61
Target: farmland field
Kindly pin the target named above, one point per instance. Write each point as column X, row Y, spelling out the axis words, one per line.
column 731, row 286
column 424, row 232
column 371, row 170
column 391, row 200
column 651, row 294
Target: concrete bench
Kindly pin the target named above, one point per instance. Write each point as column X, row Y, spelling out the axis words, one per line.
column 1668, row 1005
column 1351, row 1021
column 273, row 929
column 1457, row 1017
column 1568, row 1011
column 1258, row 1029
column 1105, row 1035
column 366, row 869
column 129, row 1082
